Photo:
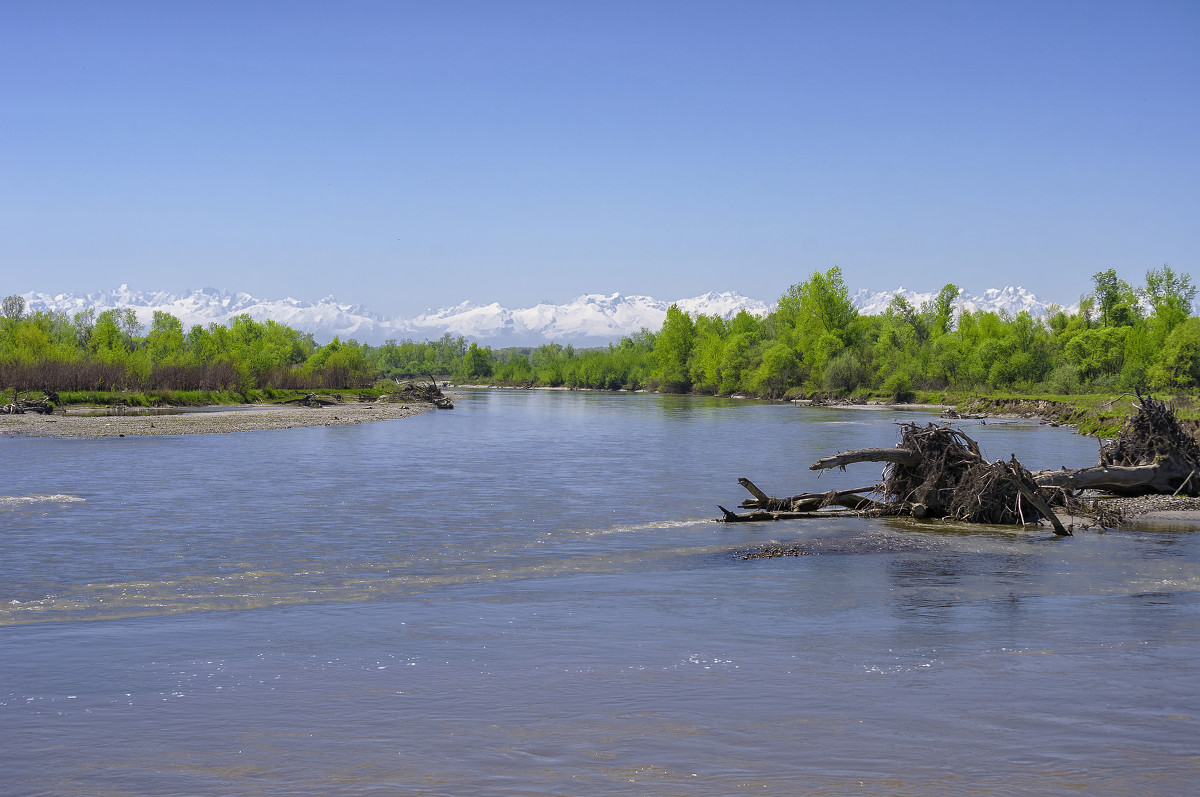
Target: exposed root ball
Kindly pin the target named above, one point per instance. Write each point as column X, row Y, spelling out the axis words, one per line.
column 1151, row 435
column 953, row 480
column 946, row 456
column 988, row 493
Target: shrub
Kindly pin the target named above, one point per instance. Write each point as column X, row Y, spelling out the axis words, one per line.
column 899, row 387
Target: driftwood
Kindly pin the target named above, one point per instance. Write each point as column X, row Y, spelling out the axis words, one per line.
column 934, row 472
column 1151, row 454
column 760, row 515
column 900, row 456
column 937, row 471
column 1019, row 478
column 313, row 400
column 805, row 505
column 415, row 392
column 954, row 481
column 21, row 406
column 1123, row 480
column 805, row 502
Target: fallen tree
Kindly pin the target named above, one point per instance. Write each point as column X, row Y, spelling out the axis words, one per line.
column 1152, row 453
column 416, row 392
column 22, row 406
column 796, row 506
column 937, row 471
column 313, row 400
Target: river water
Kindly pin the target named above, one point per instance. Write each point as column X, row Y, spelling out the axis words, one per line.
column 528, row 596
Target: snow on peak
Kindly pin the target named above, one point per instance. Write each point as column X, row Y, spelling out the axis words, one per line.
column 592, row 319
column 1009, row 299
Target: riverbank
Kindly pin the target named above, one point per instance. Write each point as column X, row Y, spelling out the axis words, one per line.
column 224, row 420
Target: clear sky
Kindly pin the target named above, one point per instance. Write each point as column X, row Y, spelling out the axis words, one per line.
column 412, row 155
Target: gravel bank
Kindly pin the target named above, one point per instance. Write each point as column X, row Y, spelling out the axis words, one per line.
column 218, row 421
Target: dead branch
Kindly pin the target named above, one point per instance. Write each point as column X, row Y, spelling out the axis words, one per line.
column 805, row 502
column 760, row 515
column 899, row 456
column 937, row 471
column 1165, row 478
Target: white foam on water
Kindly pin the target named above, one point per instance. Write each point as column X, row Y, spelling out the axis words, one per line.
column 651, row 526
column 26, row 500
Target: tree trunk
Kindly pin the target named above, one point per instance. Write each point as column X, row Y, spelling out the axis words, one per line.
column 1164, row 477
column 901, row 456
column 805, row 502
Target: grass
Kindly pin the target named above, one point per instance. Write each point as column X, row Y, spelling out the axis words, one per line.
column 1094, row 414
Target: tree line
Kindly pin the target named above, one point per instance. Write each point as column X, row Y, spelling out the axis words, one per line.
column 1121, row 338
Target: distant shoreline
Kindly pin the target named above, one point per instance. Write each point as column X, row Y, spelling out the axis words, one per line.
column 213, row 421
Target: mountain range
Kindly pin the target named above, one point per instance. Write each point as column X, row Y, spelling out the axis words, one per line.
column 590, row 320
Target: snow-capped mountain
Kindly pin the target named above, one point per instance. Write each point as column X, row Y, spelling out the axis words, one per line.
column 324, row 318
column 1008, row 299
column 590, row 320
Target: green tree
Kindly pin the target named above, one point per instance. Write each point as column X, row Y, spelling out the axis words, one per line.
column 672, row 348
column 84, row 322
column 165, row 339
column 844, row 373
column 130, row 327
column 106, row 340
column 902, row 310
column 1170, row 297
column 817, row 318
column 704, row 365
column 1115, row 299
column 940, row 311
column 514, row 368
column 1180, row 367
column 1099, row 351
column 779, row 369
column 477, row 362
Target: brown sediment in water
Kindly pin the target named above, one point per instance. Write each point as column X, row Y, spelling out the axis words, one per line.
column 213, row 421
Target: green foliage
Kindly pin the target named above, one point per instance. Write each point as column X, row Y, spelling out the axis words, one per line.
column 817, row 318
column 899, row 387
column 1064, row 380
column 1115, row 299
column 672, row 349
column 813, row 340
column 514, row 368
column 1097, row 352
column 1170, row 297
column 941, row 310
column 1180, row 366
column 476, row 363
column 108, row 351
column 779, row 369
column 845, row 373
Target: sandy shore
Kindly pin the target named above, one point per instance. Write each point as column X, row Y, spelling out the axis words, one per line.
column 214, row 421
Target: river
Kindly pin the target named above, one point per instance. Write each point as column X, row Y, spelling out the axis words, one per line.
column 528, row 596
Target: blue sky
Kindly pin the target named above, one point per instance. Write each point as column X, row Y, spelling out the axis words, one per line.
column 409, row 155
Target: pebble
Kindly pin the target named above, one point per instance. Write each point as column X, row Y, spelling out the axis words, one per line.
column 207, row 422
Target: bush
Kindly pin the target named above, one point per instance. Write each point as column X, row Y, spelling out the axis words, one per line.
column 899, row 387
column 1063, row 381
column 844, row 373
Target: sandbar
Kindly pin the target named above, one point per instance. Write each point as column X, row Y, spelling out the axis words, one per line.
column 209, row 421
